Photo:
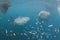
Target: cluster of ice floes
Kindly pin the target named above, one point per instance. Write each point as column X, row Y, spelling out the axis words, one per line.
column 11, row 33
column 39, row 31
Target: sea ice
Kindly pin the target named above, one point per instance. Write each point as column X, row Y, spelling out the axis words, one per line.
column 21, row 20
column 43, row 14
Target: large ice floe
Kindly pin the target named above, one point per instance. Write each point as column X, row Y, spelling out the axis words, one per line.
column 43, row 14
column 21, row 20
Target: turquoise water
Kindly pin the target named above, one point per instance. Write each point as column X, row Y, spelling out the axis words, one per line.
column 30, row 30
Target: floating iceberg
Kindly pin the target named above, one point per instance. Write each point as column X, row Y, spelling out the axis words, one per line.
column 43, row 14
column 21, row 20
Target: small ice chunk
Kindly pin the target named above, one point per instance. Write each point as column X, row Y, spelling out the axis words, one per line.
column 14, row 34
column 42, row 33
column 50, row 25
column 36, row 23
column 6, row 31
column 25, row 34
column 8, row 20
column 41, row 37
column 33, row 32
column 57, row 30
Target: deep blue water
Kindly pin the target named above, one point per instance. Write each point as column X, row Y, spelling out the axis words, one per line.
column 30, row 8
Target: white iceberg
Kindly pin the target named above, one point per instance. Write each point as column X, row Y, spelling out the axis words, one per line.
column 21, row 20
column 43, row 14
